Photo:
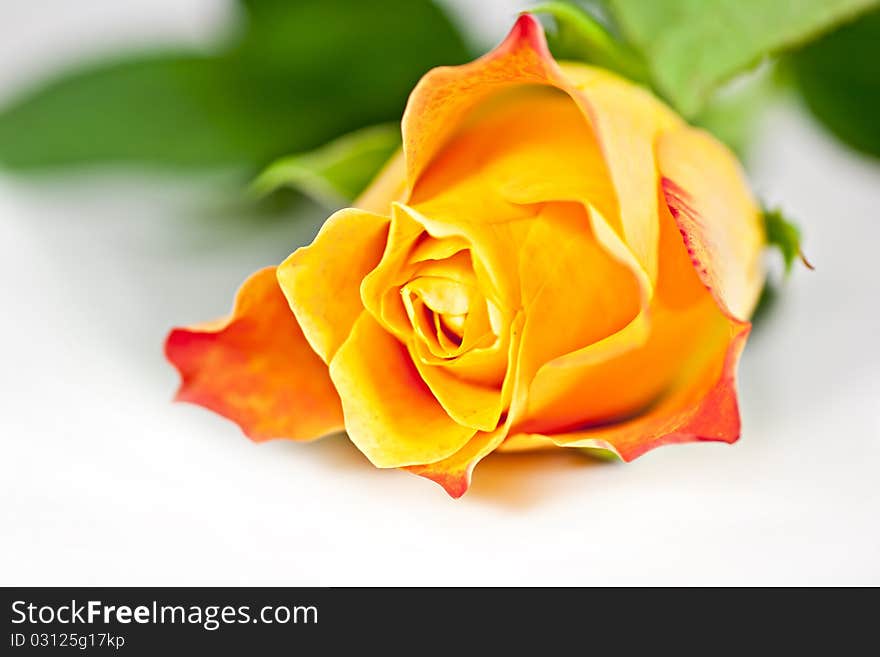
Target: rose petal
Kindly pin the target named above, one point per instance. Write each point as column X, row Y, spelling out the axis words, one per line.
column 566, row 273
column 445, row 94
column 390, row 414
column 380, row 294
column 256, row 368
column 380, row 288
column 703, row 410
column 627, row 120
column 495, row 263
column 679, row 386
column 526, row 146
column 565, row 394
column 627, row 371
column 470, row 404
column 717, row 216
column 322, row 281
column 454, row 472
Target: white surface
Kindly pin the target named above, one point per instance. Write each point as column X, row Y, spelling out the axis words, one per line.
column 103, row 481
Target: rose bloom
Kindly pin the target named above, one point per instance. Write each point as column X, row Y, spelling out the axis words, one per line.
column 554, row 259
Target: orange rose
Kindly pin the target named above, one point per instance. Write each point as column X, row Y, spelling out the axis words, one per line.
column 555, row 259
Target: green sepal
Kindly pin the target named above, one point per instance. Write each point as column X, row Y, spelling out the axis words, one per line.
column 335, row 173
column 599, row 454
column 785, row 236
column 581, row 36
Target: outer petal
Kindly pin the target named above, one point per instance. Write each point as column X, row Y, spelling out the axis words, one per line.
column 322, row 281
column 626, row 121
column 718, row 222
column 574, row 293
column 717, row 216
column 705, row 410
column 623, row 374
column 444, row 95
column 256, row 368
column 390, row 414
column 454, row 473
column 528, row 145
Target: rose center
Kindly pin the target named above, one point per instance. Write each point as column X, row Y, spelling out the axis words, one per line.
column 452, row 325
column 449, row 316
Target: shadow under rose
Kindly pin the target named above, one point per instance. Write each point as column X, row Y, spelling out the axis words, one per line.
column 525, row 479
column 513, row 480
column 335, row 451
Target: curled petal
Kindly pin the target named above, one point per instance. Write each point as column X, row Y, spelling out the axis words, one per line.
column 595, row 295
column 390, row 414
column 468, row 403
column 625, row 119
column 671, row 343
column 404, row 255
column 256, row 368
column 529, row 145
column 454, row 472
column 322, row 281
column 444, row 95
column 379, row 289
column 718, row 219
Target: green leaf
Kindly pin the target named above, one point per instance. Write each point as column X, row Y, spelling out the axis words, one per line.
column 839, row 76
column 297, row 75
column 693, row 46
column 581, row 36
column 785, row 236
column 170, row 109
column 335, row 173
column 599, row 454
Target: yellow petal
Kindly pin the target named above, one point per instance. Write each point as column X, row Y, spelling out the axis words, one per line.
column 442, row 294
column 380, row 288
column 627, row 121
column 690, row 344
column 492, row 242
column 567, row 394
column 322, row 281
column 454, row 472
column 574, row 293
column 470, row 404
column 409, row 252
column 688, row 365
column 390, row 414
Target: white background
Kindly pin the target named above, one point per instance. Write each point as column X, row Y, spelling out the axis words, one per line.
column 104, row 481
